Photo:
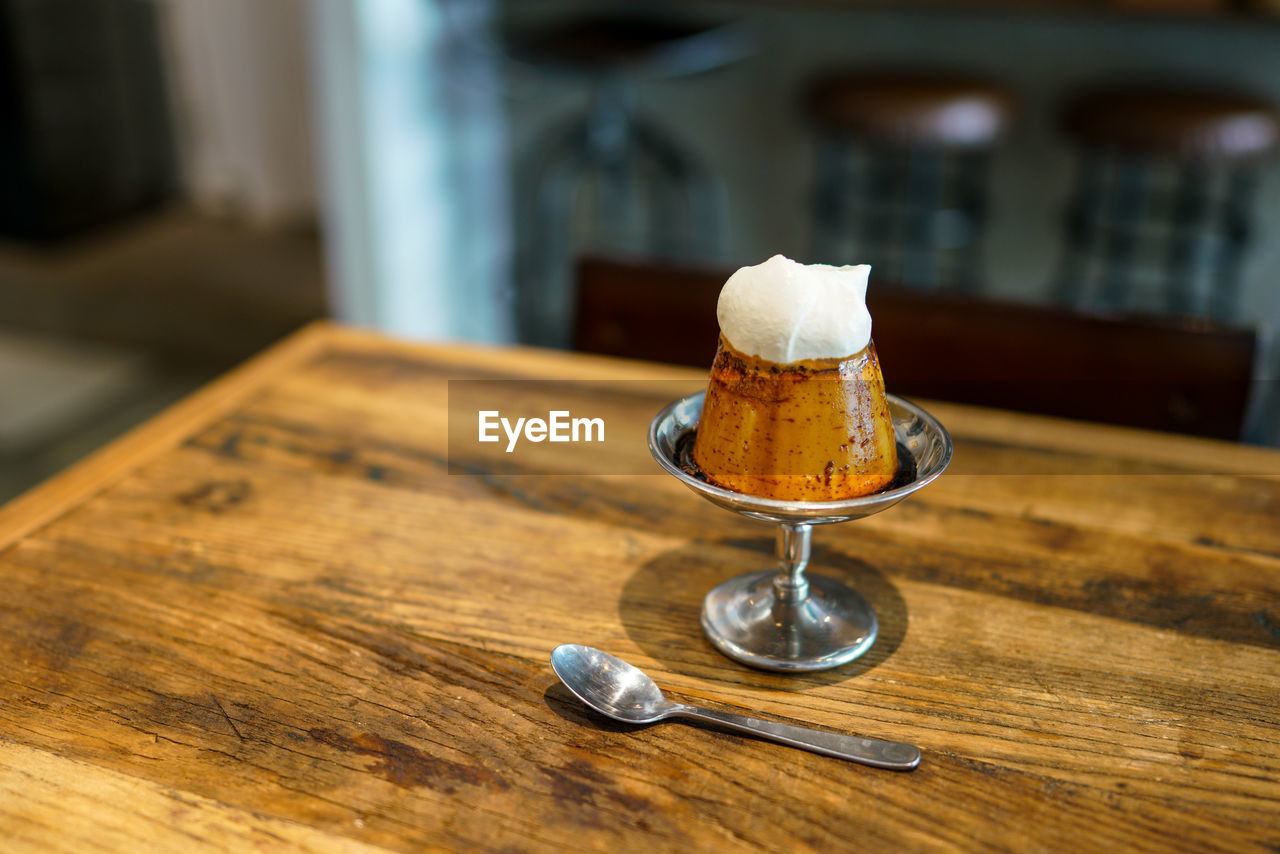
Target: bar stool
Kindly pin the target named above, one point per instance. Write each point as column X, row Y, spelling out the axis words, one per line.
column 611, row 179
column 902, row 162
column 1160, row 214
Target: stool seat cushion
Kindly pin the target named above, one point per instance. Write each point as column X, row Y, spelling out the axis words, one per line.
column 911, row 109
column 1183, row 124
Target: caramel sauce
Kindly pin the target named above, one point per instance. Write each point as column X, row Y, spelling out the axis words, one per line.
column 683, row 455
column 815, row 430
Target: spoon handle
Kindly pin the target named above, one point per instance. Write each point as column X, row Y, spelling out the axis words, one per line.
column 893, row 755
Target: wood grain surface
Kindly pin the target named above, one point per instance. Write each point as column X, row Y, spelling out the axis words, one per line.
column 271, row 619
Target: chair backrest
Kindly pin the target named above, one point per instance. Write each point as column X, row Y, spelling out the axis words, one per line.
column 1157, row 373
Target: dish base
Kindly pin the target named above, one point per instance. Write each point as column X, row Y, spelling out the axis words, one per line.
column 755, row 621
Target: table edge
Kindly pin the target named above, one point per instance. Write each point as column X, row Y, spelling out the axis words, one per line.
column 51, row 498
column 102, row 467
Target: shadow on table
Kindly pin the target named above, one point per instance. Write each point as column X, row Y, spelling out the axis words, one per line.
column 662, row 600
column 561, row 701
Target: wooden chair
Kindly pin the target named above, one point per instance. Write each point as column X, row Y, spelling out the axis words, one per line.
column 1186, row 376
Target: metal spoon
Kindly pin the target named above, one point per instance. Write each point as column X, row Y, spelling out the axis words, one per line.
column 622, row 692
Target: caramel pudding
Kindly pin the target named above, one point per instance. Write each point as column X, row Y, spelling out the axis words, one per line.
column 784, row 416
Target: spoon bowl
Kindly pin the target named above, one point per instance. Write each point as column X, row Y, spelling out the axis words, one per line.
column 625, row 693
column 610, row 685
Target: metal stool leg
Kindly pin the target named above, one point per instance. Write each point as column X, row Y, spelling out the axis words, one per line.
column 1185, row 265
column 640, row 190
column 1082, row 231
column 543, row 297
column 836, row 183
column 924, row 195
column 1123, row 216
column 879, row 224
column 969, row 205
column 685, row 180
column 1224, row 297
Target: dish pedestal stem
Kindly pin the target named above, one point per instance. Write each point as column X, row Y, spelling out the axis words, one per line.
column 783, row 620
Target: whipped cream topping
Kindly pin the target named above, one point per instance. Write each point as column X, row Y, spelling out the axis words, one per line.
column 785, row 311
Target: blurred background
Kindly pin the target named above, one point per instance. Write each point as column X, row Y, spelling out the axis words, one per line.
column 184, row 182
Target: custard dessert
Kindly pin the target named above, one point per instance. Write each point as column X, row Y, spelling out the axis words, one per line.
column 796, row 407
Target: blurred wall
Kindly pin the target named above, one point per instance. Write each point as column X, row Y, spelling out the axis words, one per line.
column 242, row 95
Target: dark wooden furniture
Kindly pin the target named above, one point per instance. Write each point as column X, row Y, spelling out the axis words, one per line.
column 272, row 620
column 901, row 172
column 1161, row 213
column 1187, row 376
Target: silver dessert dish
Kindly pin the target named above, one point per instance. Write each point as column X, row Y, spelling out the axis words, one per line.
column 781, row 619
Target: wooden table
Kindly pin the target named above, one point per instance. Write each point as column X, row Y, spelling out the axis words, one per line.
column 270, row 618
